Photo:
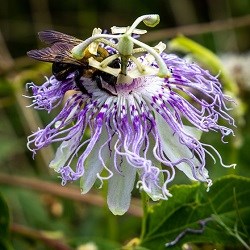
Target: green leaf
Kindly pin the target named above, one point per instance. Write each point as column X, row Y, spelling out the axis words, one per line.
column 226, row 206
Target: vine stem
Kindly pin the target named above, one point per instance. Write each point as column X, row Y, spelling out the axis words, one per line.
column 70, row 192
column 136, row 241
column 56, row 244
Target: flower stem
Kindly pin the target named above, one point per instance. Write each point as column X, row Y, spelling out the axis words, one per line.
column 144, row 199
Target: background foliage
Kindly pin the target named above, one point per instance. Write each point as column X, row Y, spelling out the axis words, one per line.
column 37, row 213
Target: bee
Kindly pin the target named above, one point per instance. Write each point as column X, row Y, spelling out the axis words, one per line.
column 63, row 63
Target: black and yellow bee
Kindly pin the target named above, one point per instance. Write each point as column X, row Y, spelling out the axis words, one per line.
column 63, row 63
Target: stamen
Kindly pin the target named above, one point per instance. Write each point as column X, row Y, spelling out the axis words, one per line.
column 94, row 63
column 122, row 30
column 93, row 47
column 163, row 70
column 108, row 60
column 149, row 20
column 139, row 65
column 78, row 51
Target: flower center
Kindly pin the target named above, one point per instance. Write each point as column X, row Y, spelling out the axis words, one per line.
column 126, row 51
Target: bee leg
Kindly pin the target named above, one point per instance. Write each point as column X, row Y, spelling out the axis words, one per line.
column 113, row 82
column 78, row 75
column 98, row 80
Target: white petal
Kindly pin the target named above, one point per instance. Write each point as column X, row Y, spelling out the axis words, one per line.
column 120, row 186
column 64, row 151
column 174, row 150
column 192, row 131
column 154, row 190
column 93, row 165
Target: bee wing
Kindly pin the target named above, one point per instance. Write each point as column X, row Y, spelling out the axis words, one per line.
column 58, row 52
column 52, row 37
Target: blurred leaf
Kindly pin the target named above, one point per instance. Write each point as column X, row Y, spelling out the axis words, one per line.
column 4, row 225
column 4, row 218
column 11, row 144
column 31, row 209
column 5, row 245
column 227, row 204
column 5, row 88
column 9, row 148
column 91, row 242
column 140, row 248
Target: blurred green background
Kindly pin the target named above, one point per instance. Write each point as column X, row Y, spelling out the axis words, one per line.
column 221, row 26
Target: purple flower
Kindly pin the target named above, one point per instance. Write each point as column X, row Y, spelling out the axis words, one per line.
column 142, row 131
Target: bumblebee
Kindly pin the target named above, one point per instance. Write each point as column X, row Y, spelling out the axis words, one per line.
column 63, row 63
